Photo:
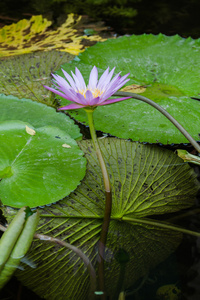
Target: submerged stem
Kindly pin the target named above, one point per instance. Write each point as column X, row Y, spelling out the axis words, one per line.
column 108, row 202
column 165, row 113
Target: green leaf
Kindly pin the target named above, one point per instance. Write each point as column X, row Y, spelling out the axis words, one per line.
column 37, row 169
column 169, row 69
column 24, row 76
column 145, row 180
column 37, row 114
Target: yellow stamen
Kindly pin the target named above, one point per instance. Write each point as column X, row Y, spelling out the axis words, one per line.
column 95, row 92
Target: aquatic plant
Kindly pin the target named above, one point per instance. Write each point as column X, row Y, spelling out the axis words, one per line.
column 95, row 94
column 110, row 209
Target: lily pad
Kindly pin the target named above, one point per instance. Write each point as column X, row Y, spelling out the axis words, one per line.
column 36, row 114
column 146, row 180
column 23, row 76
column 169, row 69
column 37, row 168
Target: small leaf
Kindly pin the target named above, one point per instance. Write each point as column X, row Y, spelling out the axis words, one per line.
column 134, row 88
column 30, row 130
column 187, row 157
column 66, row 146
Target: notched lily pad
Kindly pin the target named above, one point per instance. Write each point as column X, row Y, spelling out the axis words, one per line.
column 168, row 68
column 35, row 169
column 146, row 180
column 36, row 114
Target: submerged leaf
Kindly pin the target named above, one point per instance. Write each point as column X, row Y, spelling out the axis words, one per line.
column 169, row 69
column 145, row 180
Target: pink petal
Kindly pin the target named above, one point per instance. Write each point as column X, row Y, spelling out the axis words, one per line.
column 82, row 99
column 124, row 77
column 61, row 81
column 111, row 90
column 77, row 83
column 113, row 101
column 68, row 97
column 71, row 106
column 93, row 78
column 108, row 78
column 80, row 78
column 94, row 102
column 115, row 78
column 69, row 78
column 102, row 78
column 89, row 96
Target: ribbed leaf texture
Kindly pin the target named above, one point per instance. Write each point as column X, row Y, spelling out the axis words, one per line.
column 146, row 180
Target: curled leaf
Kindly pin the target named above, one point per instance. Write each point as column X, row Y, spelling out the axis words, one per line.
column 187, row 157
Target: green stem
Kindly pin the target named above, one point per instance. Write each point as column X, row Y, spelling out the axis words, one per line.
column 161, row 225
column 79, row 253
column 108, row 202
column 165, row 113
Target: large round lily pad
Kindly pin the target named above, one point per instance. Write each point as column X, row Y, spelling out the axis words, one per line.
column 146, row 180
column 37, row 168
column 36, row 114
column 169, row 70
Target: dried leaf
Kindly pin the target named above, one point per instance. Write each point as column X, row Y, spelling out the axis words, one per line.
column 134, row 88
column 30, row 130
column 66, row 146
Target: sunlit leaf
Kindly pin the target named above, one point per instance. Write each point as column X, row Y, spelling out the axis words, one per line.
column 32, row 35
column 145, row 180
column 36, row 114
column 36, row 169
column 167, row 67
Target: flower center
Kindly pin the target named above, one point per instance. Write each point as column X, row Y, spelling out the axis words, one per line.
column 95, row 92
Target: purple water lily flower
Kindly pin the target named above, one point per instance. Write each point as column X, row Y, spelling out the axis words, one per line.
column 96, row 93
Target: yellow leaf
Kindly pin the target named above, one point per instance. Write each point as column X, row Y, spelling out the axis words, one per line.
column 134, row 88
column 28, row 36
column 187, row 157
column 66, row 146
column 30, row 130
